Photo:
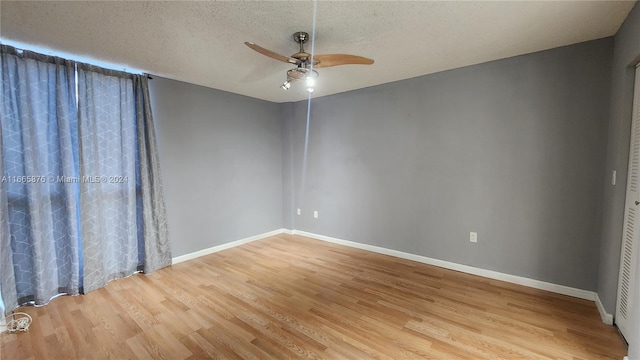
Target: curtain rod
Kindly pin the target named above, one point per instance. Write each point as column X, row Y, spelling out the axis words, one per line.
column 47, row 52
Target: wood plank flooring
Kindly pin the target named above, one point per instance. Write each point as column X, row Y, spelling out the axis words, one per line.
column 293, row 297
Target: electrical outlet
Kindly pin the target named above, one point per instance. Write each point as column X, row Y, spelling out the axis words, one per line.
column 299, row 212
column 613, row 178
column 473, row 237
column 315, row 214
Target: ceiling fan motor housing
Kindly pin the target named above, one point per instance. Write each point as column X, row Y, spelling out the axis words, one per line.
column 301, row 38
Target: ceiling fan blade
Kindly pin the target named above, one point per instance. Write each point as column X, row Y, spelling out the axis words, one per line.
column 271, row 54
column 329, row 60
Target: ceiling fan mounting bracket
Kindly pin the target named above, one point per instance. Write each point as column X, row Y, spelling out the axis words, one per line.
column 301, row 37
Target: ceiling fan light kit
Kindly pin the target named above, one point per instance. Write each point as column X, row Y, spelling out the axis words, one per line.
column 299, row 73
column 306, row 63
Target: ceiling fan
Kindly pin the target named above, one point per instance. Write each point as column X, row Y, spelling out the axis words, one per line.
column 306, row 63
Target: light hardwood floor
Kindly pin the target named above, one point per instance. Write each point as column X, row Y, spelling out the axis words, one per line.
column 293, row 297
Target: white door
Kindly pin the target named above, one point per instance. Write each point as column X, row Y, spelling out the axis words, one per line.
column 631, row 229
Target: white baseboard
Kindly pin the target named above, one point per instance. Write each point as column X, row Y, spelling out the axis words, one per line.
column 3, row 324
column 604, row 315
column 537, row 284
column 228, row 245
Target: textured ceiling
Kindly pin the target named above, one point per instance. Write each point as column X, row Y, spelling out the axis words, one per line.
column 202, row 42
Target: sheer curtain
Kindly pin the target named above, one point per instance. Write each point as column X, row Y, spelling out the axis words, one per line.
column 108, row 158
column 81, row 199
column 39, row 243
column 123, row 215
column 151, row 208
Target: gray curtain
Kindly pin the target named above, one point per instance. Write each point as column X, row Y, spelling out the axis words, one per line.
column 8, row 279
column 39, row 239
column 157, row 253
column 123, row 215
column 107, row 123
column 80, row 198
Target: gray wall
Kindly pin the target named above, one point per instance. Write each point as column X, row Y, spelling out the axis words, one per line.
column 513, row 149
column 288, row 199
column 626, row 54
column 221, row 162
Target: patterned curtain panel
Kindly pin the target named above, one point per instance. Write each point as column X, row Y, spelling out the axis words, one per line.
column 80, row 198
column 157, row 253
column 123, row 215
column 7, row 277
column 107, row 123
column 39, row 241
